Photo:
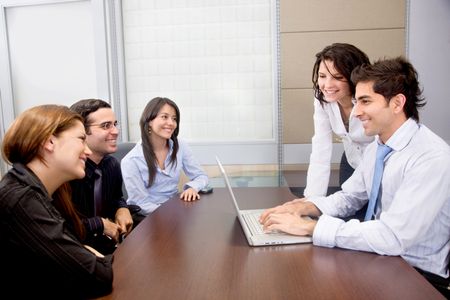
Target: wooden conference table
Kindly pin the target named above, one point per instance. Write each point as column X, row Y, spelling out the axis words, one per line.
column 197, row 250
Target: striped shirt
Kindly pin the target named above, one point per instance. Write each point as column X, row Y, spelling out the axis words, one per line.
column 83, row 193
column 42, row 258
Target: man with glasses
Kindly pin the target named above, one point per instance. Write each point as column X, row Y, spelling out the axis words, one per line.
column 98, row 196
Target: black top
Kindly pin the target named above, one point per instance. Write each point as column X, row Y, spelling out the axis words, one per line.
column 40, row 254
column 83, row 193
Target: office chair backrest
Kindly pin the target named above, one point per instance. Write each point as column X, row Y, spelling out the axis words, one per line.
column 122, row 150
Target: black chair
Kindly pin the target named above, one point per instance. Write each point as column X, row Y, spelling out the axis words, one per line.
column 122, row 150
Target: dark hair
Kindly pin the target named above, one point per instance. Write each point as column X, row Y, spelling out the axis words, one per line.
column 392, row 77
column 24, row 139
column 345, row 58
column 150, row 112
column 87, row 106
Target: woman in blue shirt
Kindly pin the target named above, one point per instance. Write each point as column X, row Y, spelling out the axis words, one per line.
column 151, row 170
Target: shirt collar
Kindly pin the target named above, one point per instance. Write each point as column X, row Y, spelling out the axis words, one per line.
column 170, row 144
column 402, row 136
column 26, row 175
column 91, row 166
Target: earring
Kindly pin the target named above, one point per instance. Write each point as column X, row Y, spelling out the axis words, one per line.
column 149, row 131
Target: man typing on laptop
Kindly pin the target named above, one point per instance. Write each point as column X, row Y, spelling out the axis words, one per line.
column 404, row 177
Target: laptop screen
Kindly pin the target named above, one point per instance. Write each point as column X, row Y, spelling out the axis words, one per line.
column 227, row 183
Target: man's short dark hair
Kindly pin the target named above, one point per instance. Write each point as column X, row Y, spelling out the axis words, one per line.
column 87, row 106
column 391, row 77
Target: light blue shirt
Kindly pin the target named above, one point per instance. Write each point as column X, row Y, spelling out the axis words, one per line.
column 135, row 176
column 413, row 217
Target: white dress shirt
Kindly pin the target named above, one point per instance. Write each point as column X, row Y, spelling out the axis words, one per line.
column 413, row 217
column 135, row 176
column 328, row 119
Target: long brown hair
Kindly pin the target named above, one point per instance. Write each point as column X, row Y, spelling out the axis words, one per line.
column 345, row 58
column 23, row 142
column 150, row 112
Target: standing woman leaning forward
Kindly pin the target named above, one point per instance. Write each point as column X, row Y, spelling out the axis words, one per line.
column 40, row 230
column 151, row 170
column 333, row 105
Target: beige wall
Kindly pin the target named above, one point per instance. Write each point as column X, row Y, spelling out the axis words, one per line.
column 307, row 26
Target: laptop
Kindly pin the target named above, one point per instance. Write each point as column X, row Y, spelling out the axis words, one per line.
column 253, row 230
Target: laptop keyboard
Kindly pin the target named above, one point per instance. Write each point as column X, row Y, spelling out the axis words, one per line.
column 253, row 223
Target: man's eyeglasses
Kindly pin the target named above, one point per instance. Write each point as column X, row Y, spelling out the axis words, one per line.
column 107, row 125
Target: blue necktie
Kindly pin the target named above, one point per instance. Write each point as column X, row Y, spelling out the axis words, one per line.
column 382, row 151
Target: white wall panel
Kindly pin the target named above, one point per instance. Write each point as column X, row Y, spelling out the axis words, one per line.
column 51, row 50
column 215, row 59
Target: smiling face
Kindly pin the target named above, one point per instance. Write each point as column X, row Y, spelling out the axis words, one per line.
column 332, row 84
column 102, row 140
column 378, row 116
column 164, row 124
column 71, row 151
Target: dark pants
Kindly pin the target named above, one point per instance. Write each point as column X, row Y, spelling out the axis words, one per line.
column 135, row 214
column 137, row 218
column 440, row 283
column 102, row 243
column 345, row 171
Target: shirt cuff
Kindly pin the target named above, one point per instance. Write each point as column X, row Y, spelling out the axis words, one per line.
column 324, row 204
column 324, row 234
column 192, row 184
column 94, row 225
column 122, row 203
